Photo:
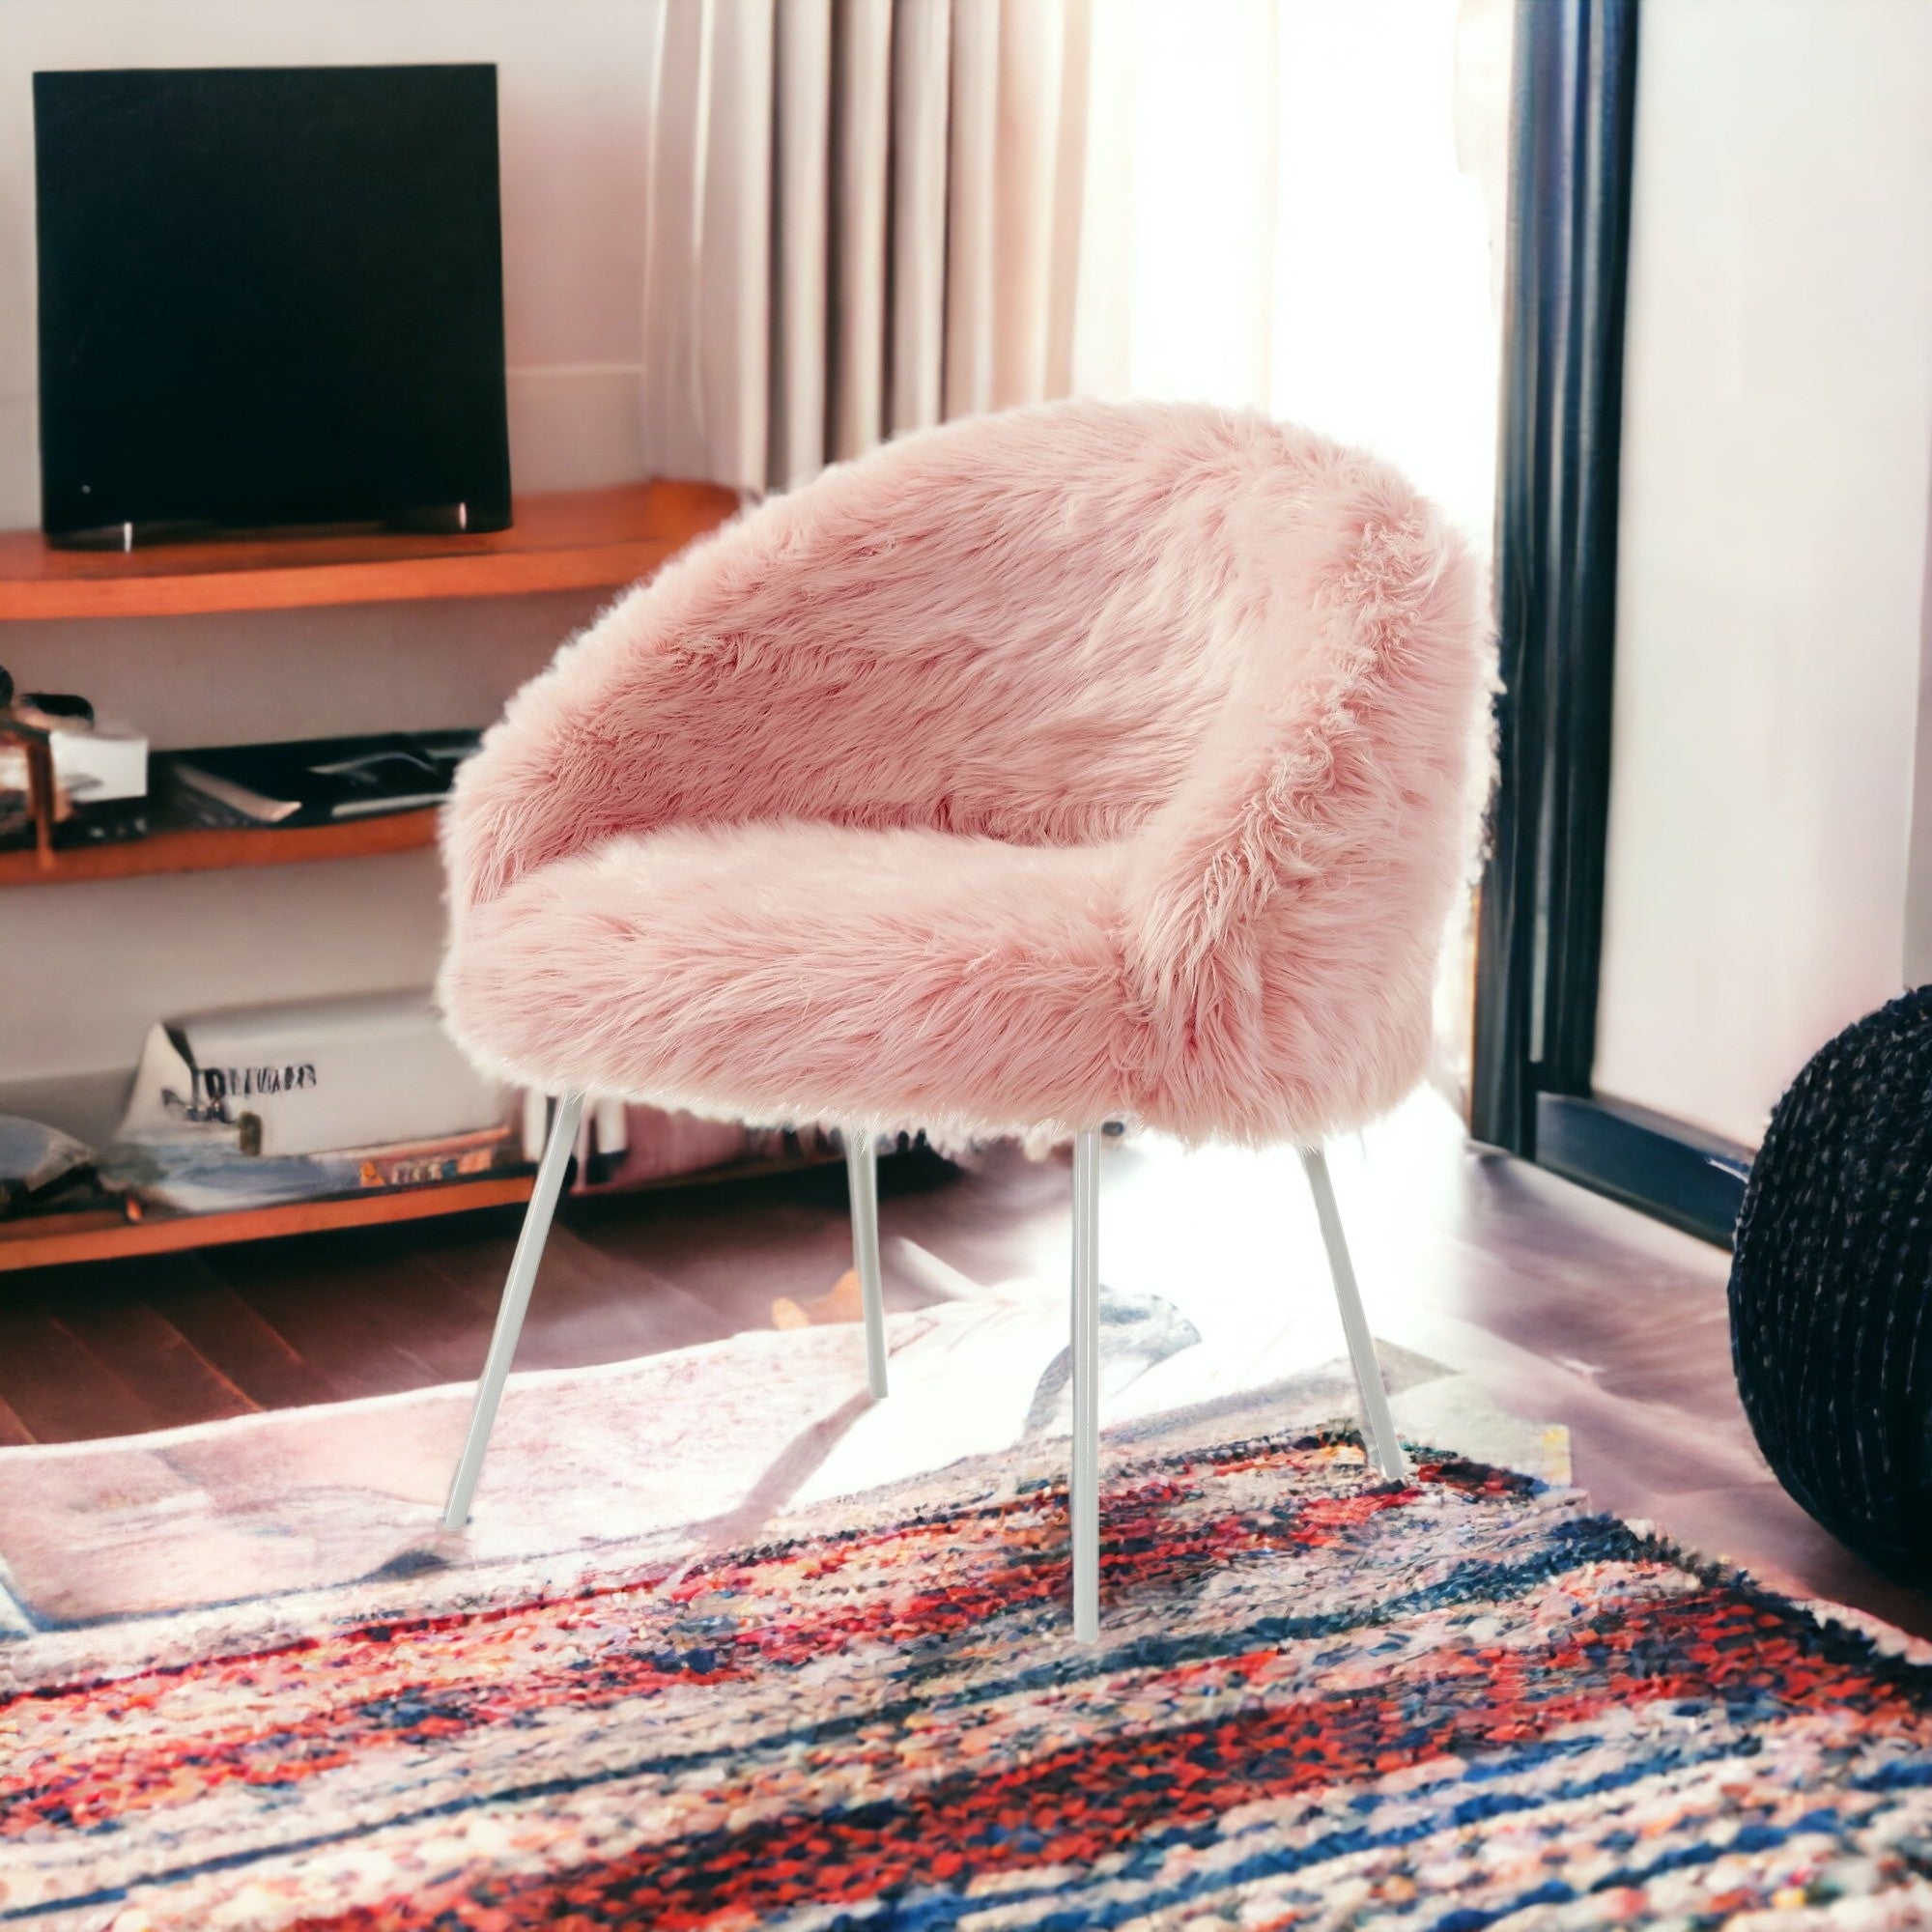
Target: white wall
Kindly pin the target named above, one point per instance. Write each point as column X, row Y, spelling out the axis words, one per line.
column 86, row 968
column 1772, row 568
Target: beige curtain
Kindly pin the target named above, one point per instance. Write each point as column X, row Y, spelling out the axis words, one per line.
column 869, row 215
column 864, row 216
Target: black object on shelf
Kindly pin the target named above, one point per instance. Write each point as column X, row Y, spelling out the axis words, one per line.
column 316, row 780
column 269, row 297
column 116, row 821
column 1832, row 1290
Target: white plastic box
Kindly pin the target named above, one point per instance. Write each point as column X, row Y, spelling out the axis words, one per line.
column 310, row 1076
column 93, row 767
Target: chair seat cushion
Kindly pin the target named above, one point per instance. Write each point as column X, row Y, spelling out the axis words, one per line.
column 798, row 973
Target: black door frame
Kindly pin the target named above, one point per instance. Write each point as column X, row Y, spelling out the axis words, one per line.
column 1540, row 917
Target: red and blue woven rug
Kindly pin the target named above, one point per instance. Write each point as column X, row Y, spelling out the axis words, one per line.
column 1459, row 1702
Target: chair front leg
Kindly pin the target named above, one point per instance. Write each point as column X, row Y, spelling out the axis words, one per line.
column 515, row 1300
column 1379, row 1438
column 861, row 1174
column 1083, row 1489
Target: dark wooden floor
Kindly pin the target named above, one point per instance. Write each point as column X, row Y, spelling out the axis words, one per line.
column 115, row 1349
column 1565, row 1307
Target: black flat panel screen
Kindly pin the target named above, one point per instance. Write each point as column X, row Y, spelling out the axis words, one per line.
column 270, row 296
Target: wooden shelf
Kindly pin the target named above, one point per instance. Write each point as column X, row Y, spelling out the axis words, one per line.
column 571, row 540
column 103, row 1234
column 575, row 540
column 212, row 848
column 56, row 1238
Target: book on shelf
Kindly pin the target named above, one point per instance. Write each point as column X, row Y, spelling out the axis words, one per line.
column 427, row 1162
column 187, row 1178
column 319, row 780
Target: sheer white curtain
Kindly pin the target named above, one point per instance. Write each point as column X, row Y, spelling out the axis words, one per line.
column 869, row 213
column 1313, row 210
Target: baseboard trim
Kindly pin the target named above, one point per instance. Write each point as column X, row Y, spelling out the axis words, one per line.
column 1677, row 1173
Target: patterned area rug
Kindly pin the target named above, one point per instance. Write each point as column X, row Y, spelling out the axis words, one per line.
column 674, row 1454
column 1449, row 1704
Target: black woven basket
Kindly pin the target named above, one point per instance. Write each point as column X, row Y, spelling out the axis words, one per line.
column 1831, row 1288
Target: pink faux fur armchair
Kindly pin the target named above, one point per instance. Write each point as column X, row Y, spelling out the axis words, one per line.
column 1078, row 763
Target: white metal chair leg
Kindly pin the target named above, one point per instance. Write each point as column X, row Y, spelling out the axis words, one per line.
column 862, row 1171
column 550, row 1169
column 1379, row 1439
column 1083, row 1489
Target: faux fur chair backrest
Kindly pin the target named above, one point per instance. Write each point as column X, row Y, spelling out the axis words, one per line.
column 1252, row 656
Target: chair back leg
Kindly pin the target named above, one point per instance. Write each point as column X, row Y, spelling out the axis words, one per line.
column 862, row 1173
column 515, row 1300
column 1083, row 1489
column 1379, row 1438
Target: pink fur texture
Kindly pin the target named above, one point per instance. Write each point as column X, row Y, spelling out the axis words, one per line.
column 1078, row 762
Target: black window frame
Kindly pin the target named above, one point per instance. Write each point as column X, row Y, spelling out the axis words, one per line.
column 1540, row 918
